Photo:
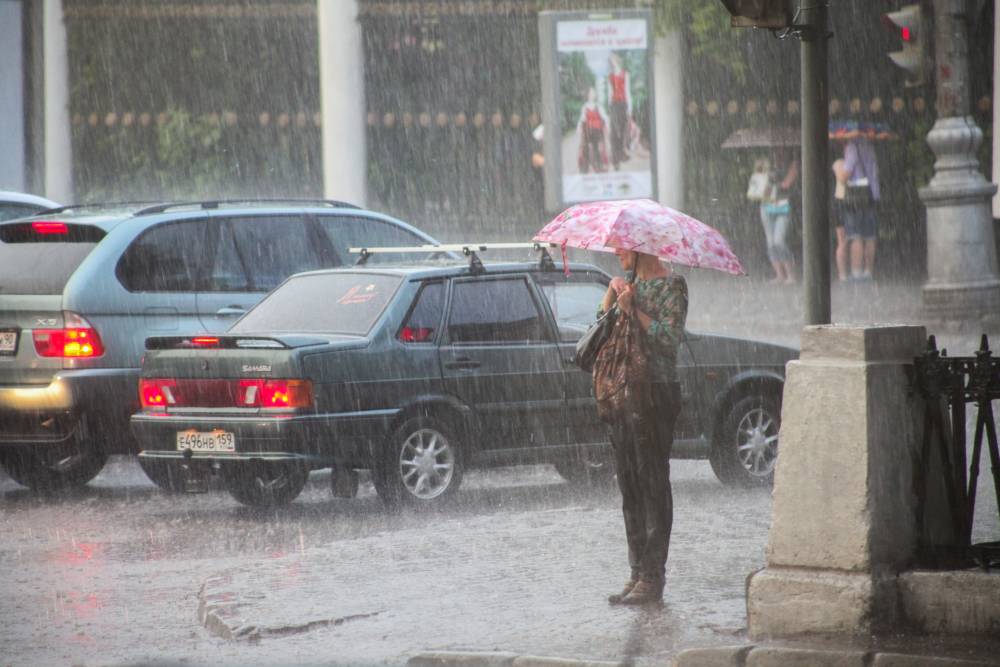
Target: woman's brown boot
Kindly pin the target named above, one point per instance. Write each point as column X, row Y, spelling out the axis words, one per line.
column 617, row 598
column 644, row 592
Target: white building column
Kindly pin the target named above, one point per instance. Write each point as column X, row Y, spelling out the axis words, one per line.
column 342, row 101
column 668, row 85
column 58, row 145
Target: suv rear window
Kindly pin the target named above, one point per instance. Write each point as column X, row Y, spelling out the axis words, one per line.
column 342, row 303
column 41, row 260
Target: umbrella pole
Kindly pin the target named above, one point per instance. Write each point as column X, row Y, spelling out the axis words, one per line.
column 815, row 164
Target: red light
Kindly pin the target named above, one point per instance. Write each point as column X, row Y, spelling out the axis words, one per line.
column 279, row 393
column 416, row 334
column 70, row 341
column 220, row 393
column 205, row 341
column 156, row 393
column 906, row 34
column 45, row 227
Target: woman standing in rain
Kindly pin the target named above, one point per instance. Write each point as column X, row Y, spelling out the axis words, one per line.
column 657, row 300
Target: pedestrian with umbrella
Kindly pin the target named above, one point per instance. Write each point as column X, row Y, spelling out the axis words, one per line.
column 652, row 306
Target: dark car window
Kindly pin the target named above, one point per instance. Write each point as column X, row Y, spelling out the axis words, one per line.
column 348, row 232
column 342, row 303
column 423, row 320
column 494, row 311
column 228, row 272
column 273, row 248
column 574, row 305
column 165, row 258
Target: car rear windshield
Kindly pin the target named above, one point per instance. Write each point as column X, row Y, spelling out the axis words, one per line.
column 342, row 303
column 39, row 258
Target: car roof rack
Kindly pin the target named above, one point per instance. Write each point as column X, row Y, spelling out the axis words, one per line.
column 216, row 203
column 470, row 250
column 113, row 204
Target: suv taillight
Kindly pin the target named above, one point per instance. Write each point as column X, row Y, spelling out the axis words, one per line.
column 77, row 338
column 215, row 393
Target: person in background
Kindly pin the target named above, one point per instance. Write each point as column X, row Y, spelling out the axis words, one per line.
column 776, row 216
column 839, row 193
column 860, row 223
column 658, row 300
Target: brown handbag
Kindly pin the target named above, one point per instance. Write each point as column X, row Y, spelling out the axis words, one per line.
column 622, row 374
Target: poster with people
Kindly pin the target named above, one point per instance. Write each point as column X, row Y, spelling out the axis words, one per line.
column 601, row 102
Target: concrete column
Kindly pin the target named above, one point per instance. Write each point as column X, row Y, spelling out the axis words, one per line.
column 962, row 279
column 844, row 517
column 12, row 103
column 58, row 145
column 996, row 105
column 668, row 55
column 342, row 100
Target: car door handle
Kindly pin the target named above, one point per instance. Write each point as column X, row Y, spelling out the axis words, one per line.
column 231, row 310
column 462, row 363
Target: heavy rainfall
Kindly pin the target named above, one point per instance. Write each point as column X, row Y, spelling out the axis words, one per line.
column 294, row 296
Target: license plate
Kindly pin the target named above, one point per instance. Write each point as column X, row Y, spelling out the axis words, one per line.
column 200, row 441
column 8, row 342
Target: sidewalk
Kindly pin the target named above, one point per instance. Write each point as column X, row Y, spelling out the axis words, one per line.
column 774, row 312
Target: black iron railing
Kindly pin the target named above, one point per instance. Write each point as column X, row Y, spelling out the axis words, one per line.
column 957, row 381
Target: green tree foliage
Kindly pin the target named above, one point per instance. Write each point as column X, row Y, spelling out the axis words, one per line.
column 706, row 25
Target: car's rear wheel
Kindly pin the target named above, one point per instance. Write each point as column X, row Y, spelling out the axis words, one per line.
column 265, row 483
column 48, row 468
column 421, row 466
column 587, row 470
column 165, row 474
column 745, row 449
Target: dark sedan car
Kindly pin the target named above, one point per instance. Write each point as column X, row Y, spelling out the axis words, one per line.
column 418, row 373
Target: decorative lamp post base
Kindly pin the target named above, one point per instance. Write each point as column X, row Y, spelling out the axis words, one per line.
column 962, row 278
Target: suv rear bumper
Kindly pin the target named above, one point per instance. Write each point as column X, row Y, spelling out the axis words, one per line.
column 344, row 437
column 54, row 413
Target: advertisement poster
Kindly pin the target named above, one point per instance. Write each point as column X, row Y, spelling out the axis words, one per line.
column 603, row 109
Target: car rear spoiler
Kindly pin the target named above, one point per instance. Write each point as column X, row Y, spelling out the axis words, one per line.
column 207, row 341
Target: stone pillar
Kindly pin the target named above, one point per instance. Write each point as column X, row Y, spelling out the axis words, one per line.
column 668, row 89
column 58, row 145
column 844, row 517
column 962, row 279
column 996, row 106
column 342, row 100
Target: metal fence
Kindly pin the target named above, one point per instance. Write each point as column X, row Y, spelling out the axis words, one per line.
column 959, row 382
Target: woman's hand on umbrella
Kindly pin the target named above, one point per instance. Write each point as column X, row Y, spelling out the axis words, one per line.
column 626, row 299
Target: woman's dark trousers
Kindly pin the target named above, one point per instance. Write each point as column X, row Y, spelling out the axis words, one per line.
column 642, row 462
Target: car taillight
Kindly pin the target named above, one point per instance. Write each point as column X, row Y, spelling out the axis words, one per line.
column 77, row 338
column 217, row 393
column 157, row 393
column 275, row 393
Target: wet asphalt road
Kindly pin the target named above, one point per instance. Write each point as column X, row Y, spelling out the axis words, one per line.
column 519, row 561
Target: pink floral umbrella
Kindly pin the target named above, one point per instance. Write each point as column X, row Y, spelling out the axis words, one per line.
column 645, row 226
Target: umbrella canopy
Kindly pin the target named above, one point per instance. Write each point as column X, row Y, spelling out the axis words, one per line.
column 763, row 137
column 846, row 130
column 645, row 226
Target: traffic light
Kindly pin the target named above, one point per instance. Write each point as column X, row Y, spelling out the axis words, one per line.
column 909, row 24
column 774, row 14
